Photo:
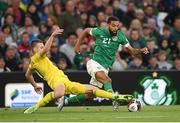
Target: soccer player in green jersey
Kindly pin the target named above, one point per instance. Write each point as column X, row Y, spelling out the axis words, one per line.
column 106, row 45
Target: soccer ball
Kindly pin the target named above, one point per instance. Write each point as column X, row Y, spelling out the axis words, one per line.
column 134, row 106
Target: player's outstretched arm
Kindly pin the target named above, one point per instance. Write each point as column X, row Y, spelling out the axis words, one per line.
column 81, row 38
column 137, row 52
column 50, row 40
column 30, row 78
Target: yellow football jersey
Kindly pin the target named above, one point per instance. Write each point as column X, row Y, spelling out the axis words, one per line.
column 54, row 77
column 45, row 68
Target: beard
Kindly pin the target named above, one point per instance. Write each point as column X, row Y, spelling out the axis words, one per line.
column 113, row 33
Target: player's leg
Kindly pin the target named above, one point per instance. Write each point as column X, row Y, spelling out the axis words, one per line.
column 80, row 98
column 92, row 68
column 77, row 88
column 83, row 93
column 74, row 88
column 105, row 94
column 102, row 77
column 99, row 75
column 50, row 96
column 57, row 93
column 99, row 92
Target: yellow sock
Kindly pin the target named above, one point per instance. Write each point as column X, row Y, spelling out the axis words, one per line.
column 50, row 96
column 104, row 94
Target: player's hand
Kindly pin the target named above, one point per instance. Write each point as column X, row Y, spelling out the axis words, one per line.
column 144, row 50
column 77, row 49
column 38, row 89
column 57, row 31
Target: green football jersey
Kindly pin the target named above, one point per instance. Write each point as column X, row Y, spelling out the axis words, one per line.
column 106, row 46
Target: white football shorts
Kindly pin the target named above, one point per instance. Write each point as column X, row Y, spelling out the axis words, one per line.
column 93, row 67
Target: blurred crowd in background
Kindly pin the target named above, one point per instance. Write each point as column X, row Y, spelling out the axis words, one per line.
column 154, row 24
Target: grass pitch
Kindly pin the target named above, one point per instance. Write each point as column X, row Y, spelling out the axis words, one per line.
column 93, row 114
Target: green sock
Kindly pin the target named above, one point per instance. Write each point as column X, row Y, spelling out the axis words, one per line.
column 108, row 87
column 76, row 99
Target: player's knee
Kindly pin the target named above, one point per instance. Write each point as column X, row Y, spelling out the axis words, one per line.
column 59, row 94
column 109, row 79
column 102, row 77
column 106, row 79
column 59, row 91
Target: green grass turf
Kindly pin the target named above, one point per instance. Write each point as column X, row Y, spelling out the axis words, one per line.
column 93, row 113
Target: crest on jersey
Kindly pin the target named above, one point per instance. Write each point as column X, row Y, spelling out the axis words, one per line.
column 156, row 91
column 101, row 36
column 114, row 38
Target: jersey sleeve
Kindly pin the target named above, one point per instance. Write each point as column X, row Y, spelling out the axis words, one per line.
column 94, row 31
column 124, row 40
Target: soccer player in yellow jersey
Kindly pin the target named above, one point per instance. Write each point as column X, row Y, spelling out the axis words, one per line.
column 56, row 79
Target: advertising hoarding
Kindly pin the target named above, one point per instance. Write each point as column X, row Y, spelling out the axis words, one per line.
column 20, row 95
